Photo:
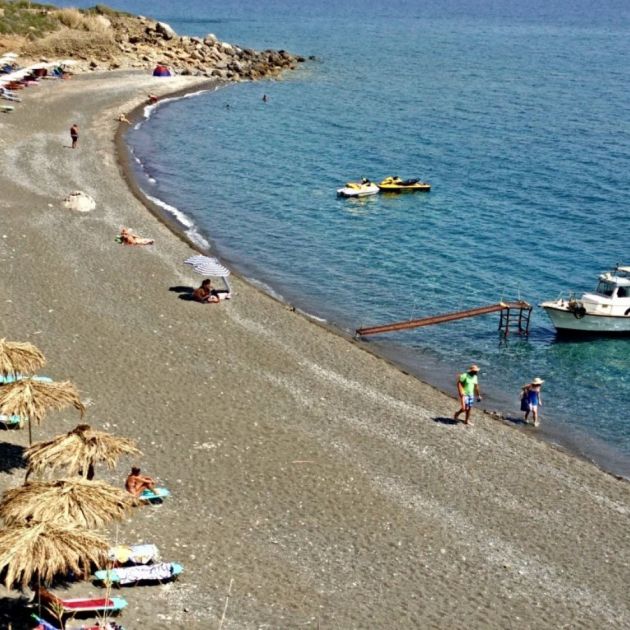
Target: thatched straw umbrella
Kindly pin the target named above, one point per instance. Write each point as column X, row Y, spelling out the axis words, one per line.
column 19, row 358
column 40, row 551
column 78, row 451
column 32, row 399
column 84, row 503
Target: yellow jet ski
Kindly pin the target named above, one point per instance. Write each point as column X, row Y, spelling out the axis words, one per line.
column 397, row 185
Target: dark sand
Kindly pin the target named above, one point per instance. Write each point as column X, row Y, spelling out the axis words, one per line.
column 316, row 479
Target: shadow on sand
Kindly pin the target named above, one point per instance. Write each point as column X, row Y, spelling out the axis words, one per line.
column 15, row 613
column 11, row 456
column 185, row 293
column 441, row 420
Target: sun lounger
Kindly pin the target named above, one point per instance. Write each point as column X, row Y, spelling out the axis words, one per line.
column 11, row 421
column 45, row 625
column 84, row 604
column 134, row 554
column 7, row 95
column 125, row 576
column 154, row 496
column 7, row 380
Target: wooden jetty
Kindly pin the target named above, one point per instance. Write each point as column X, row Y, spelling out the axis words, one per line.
column 517, row 313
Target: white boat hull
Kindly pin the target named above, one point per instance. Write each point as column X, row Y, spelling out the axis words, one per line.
column 565, row 320
column 358, row 192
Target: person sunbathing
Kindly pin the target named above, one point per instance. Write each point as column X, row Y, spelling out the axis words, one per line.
column 123, row 118
column 205, row 293
column 137, row 483
column 127, row 237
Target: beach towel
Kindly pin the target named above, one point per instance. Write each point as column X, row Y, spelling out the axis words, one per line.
column 142, row 573
column 157, row 572
column 134, row 554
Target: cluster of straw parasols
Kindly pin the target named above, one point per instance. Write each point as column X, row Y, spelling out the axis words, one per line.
column 50, row 521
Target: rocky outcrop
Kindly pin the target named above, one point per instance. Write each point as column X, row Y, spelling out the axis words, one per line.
column 139, row 42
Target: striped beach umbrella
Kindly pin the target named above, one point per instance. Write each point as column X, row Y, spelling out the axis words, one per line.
column 209, row 266
column 194, row 260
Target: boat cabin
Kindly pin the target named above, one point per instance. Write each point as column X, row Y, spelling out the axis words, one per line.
column 614, row 284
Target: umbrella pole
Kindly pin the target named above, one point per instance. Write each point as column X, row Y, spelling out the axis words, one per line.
column 30, row 433
column 227, row 285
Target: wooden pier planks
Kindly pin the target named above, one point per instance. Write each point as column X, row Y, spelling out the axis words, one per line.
column 447, row 317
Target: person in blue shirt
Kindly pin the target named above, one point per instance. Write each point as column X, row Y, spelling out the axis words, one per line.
column 467, row 389
column 531, row 399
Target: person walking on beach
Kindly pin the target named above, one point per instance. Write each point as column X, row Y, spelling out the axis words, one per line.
column 74, row 135
column 467, row 389
column 531, row 399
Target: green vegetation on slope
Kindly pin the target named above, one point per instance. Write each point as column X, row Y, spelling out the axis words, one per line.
column 27, row 19
column 33, row 20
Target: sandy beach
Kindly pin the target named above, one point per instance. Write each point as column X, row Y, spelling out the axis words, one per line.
column 314, row 483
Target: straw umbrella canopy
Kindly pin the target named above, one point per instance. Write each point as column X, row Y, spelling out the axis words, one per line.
column 31, row 399
column 43, row 550
column 19, row 358
column 78, row 451
column 90, row 504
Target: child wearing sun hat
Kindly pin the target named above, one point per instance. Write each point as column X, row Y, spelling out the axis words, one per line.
column 531, row 399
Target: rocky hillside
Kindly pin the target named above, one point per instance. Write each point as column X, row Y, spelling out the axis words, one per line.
column 101, row 38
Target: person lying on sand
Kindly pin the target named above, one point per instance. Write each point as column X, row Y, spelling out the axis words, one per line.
column 127, row 237
column 205, row 293
column 136, row 482
column 123, row 118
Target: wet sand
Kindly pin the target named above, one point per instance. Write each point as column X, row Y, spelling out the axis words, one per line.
column 318, row 484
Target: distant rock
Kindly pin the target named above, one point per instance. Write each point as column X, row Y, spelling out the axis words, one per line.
column 165, row 30
column 79, row 201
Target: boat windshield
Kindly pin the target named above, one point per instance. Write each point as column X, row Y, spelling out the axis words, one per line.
column 605, row 288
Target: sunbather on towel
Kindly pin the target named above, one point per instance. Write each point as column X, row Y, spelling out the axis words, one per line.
column 127, row 237
column 136, row 482
column 205, row 293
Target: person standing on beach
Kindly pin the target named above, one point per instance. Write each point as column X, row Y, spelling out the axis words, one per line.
column 531, row 399
column 74, row 135
column 467, row 388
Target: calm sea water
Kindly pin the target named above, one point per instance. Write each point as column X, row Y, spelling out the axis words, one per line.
column 516, row 112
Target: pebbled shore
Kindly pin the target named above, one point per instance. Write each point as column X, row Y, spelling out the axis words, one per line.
column 323, row 484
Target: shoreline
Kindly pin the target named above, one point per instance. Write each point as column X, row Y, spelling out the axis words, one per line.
column 322, row 481
column 570, row 444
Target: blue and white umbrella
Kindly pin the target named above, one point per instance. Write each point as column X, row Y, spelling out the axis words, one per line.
column 193, row 260
column 207, row 266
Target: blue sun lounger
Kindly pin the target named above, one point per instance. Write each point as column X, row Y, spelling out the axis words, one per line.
column 156, row 573
column 154, row 496
column 7, row 380
column 12, row 421
column 45, row 625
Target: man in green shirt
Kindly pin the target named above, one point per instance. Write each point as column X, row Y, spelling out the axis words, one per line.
column 467, row 388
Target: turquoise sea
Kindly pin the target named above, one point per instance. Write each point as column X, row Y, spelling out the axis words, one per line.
column 516, row 112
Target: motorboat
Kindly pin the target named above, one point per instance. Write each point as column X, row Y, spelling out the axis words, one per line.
column 364, row 188
column 397, row 185
column 605, row 311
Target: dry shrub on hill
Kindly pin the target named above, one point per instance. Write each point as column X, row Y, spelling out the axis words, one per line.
column 77, row 20
column 72, row 18
column 69, row 43
column 10, row 42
